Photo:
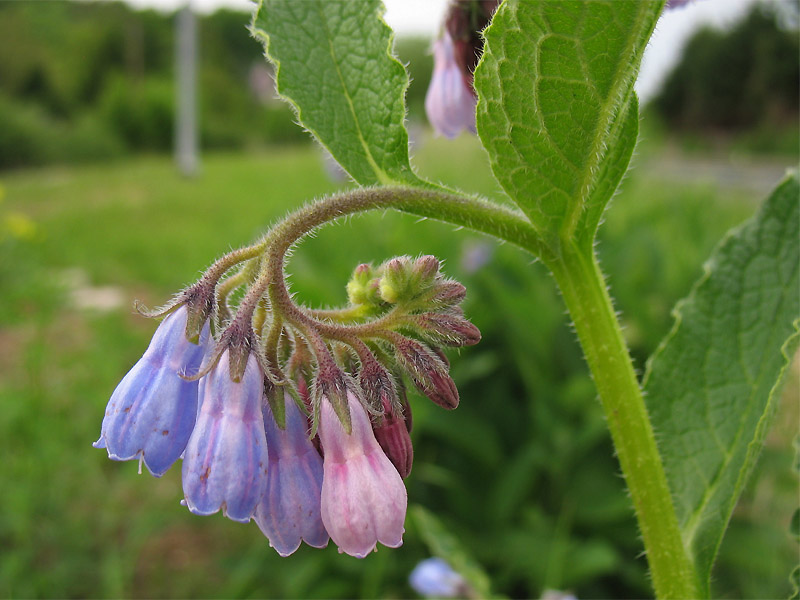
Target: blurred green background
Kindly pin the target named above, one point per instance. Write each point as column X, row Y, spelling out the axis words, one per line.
column 94, row 214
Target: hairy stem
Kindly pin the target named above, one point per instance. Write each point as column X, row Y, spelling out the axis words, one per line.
column 460, row 210
column 585, row 293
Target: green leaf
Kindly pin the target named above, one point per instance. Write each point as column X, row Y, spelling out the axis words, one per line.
column 556, row 109
column 445, row 545
column 334, row 64
column 711, row 386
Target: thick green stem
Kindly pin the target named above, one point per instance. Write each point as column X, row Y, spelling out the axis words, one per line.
column 585, row 293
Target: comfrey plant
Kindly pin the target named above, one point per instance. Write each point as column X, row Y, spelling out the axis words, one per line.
column 297, row 418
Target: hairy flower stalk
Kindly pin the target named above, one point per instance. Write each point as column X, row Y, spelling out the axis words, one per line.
column 295, row 418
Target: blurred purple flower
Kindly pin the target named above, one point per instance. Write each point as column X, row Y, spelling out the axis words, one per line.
column 676, row 3
column 289, row 511
column 450, row 101
column 224, row 466
column 152, row 411
column 363, row 497
column 434, row 577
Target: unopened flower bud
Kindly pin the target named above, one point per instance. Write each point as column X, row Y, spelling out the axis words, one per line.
column 404, row 280
column 377, row 384
column 448, row 293
column 427, row 371
column 425, row 270
column 393, row 436
column 395, row 279
column 450, row 329
column 361, row 289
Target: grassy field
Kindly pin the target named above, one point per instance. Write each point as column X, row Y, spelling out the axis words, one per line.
column 534, row 495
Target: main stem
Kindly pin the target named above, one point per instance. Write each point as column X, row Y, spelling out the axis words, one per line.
column 586, row 296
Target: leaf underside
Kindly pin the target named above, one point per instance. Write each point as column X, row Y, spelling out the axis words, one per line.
column 335, row 65
column 556, row 111
column 711, row 387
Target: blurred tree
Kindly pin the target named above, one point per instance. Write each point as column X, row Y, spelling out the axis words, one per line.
column 739, row 79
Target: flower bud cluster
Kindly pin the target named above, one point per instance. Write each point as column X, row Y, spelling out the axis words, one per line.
column 294, row 418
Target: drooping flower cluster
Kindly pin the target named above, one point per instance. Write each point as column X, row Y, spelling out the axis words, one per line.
column 451, row 99
column 294, row 418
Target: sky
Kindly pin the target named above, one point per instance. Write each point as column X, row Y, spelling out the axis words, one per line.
column 422, row 17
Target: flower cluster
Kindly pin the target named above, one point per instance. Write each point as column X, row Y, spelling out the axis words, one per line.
column 294, row 418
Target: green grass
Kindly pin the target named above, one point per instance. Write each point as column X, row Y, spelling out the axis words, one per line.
column 523, row 464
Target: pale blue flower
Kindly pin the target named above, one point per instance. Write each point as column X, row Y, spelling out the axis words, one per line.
column 224, row 466
column 152, row 411
column 435, row 578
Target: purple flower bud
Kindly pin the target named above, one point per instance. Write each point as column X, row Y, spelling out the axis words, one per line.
column 448, row 293
column 427, row 371
column 152, row 412
column 426, row 268
column 289, row 511
column 450, row 101
column 225, row 461
column 363, row 497
column 450, row 329
column 393, row 437
column 434, row 577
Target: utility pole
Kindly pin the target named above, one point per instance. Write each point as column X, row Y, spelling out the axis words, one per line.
column 186, row 138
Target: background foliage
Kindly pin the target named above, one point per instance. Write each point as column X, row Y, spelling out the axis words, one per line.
column 85, row 82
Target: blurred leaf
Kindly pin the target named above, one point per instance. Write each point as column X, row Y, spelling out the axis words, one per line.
column 334, row 64
column 711, row 385
column 557, row 112
column 794, row 578
column 444, row 544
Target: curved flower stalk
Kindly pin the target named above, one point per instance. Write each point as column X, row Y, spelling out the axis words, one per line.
column 363, row 496
column 238, row 404
column 152, row 412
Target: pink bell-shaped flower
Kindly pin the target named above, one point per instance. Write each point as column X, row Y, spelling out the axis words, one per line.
column 363, row 497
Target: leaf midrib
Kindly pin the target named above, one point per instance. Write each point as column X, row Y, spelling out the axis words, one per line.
column 382, row 176
column 604, row 130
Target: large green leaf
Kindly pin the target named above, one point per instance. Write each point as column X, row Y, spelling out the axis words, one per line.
column 711, row 387
column 556, row 109
column 334, row 64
